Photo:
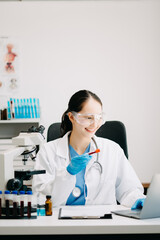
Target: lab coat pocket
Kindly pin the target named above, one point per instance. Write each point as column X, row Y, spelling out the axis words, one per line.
column 106, row 194
column 108, row 191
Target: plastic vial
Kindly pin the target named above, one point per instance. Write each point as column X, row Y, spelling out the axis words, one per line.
column 15, row 203
column 48, row 204
column 22, row 195
column 7, row 202
column 0, row 203
column 29, row 193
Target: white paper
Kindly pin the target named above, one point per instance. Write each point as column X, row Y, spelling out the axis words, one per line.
column 83, row 211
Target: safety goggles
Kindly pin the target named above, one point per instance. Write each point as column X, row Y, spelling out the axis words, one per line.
column 87, row 119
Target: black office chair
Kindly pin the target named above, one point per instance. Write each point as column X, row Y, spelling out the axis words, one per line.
column 113, row 130
column 54, row 131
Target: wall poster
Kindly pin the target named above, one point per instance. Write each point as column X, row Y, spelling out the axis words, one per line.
column 9, row 65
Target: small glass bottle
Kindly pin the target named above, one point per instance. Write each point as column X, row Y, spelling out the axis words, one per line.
column 48, row 205
column 0, row 203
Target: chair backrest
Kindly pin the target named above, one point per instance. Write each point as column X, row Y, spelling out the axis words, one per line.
column 54, row 131
column 113, row 130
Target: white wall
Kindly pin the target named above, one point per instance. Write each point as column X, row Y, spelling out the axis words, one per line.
column 109, row 47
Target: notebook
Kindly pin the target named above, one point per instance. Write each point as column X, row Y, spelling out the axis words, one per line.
column 151, row 207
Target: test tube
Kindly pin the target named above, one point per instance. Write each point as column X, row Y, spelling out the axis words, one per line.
column 96, row 151
column 38, row 108
column 15, row 204
column 8, row 109
column 29, row 193
column 0, row 203
column 22, row 203
column 15, row 108
column 7, row 201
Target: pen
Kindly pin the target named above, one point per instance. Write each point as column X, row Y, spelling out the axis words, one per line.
column 96, row 151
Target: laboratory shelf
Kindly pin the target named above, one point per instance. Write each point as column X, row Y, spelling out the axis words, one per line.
column 21, row 120
column 12, row 128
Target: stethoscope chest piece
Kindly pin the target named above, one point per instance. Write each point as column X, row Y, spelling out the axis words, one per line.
column 76, row 192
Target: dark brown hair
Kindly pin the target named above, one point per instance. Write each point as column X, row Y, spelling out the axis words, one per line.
column 75, row 104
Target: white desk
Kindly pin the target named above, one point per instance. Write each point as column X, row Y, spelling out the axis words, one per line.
column 52, row 226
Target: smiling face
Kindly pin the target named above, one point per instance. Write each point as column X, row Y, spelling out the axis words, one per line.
column 88, row 120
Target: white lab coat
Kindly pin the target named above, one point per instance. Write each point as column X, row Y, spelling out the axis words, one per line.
column 118, row 180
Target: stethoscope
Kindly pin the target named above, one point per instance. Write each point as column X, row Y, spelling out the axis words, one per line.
column 76, row 192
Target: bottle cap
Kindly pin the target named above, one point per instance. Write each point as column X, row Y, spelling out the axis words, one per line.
column 29, row 192
column 22, row 192
column 48, row 196
column 7, row 192
column 14, row 192
column 40, row 205
column 0, row 192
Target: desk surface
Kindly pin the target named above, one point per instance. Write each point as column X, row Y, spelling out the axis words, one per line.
column 52, row 226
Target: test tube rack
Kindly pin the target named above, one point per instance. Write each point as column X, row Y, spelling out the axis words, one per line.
column 15, row 213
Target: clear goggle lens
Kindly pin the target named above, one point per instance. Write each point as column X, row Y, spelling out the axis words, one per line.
column 88, row 119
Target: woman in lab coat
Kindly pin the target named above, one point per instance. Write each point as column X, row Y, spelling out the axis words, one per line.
column 73, row 177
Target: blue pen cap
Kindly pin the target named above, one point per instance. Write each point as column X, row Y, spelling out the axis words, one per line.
column 29, row 192
column 0, row 192
column 7, row 192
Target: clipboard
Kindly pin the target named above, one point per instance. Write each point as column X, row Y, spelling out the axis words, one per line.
column 83, row 212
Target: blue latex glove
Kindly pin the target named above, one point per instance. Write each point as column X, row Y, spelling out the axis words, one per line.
column 78, row 163
column 138, row 204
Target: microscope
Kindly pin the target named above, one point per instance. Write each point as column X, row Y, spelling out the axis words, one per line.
column 26, row 144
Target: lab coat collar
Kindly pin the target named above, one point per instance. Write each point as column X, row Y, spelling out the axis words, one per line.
column 62, row 147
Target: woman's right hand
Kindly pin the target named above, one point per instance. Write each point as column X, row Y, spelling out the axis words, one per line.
column 78, row 163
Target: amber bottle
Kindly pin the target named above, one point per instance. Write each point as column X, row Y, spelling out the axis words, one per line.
column 48, row 204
